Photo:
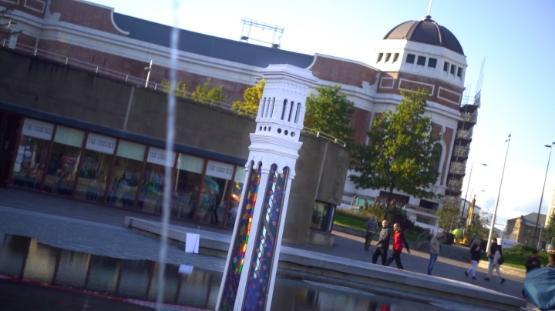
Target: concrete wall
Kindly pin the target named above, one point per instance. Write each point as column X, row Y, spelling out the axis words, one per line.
column 33, row 84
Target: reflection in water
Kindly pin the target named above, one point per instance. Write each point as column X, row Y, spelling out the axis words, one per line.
column 28, row 259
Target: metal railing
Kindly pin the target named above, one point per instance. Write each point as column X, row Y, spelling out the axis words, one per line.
column 137, row 81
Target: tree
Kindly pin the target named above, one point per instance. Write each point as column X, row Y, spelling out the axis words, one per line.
column 448, row 216
column 209, row 94
column 180, row 88
column 477, row 228
column 251, row 98
column 330, row 112
column 401, row 153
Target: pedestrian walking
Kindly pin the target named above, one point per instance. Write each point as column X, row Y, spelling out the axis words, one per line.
column 399, row 242
column 371, row 230
column 491, row 253
column 533, row 261
column 382, row 246
column 475, row 254
column 497, row 261
column 434, row 251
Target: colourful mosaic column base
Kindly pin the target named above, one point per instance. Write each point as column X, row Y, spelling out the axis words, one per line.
column 260, row 273
column 241, row 240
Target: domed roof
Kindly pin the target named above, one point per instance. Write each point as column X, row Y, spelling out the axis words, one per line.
column 426, row 31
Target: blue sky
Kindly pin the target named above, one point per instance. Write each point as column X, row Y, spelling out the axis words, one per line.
column 515, row 37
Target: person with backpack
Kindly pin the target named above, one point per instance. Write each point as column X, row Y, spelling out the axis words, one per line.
column 382, row 246
column 495, row 262
column 399, row 242
column 475, row 254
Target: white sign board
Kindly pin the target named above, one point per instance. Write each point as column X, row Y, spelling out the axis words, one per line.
column 38, row 129
column 192, row 241
column 219, row 170
column 101, row 143
column 158, row 156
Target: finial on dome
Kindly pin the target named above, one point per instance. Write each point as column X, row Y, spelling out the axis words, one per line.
column 429, row 12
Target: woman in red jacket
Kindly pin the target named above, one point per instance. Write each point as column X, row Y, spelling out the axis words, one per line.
column 399, row 242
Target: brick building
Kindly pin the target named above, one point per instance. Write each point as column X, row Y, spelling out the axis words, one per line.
column 414, row 54
column 521, row 229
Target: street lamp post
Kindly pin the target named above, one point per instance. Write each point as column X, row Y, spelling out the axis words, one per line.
column 541, row 197
column 468, row 186
column 492, row 225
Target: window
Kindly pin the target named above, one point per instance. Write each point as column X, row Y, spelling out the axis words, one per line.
column 387, row 57
column 151, row 191
column 93, row 171
column 322, row 216
column 380, row 56
column 459, row 72
column 126, row 174
column 446, row 66
column 453, row 69
column 410, row 58
column 395, row 57
column 211, row 207
column 62, row 165
column 421, row 61
column 30, row 160
column 187, row 185
column 432, row 62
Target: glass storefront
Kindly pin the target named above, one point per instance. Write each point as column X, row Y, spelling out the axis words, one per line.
column 103, row 169
column 30, row 161
column 187, row 185
column 126, row 174
column 64, row 157
column 93, row 171
column 151, row 191
column 235, row 196
column 212, row 201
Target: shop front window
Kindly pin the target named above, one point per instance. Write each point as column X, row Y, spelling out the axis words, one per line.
column 95, row 164
column 64, row 158
column 126, row 174
column 30, row 161
column 211, row 207
column 235, row 196
column 151, row 192
column 187, row 185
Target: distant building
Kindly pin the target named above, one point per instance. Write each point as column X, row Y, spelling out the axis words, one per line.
column 521, row 229
column 551, row 210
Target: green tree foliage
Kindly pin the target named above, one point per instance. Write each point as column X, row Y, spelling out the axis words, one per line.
column 400, row 154
column 392, row 212
column 477, row 228
column 209, row 94
column 330, row 111
column 180, row 88
column 251, row 98
column 448, row 216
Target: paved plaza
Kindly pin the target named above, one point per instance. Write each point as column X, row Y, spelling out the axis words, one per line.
column 85, row 227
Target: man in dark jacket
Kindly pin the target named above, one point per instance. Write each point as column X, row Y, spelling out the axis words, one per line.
column 533, row 261
column 383, row 243
column 399, row 242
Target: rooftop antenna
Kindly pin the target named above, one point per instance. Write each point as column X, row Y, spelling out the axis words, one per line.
column 261, row 32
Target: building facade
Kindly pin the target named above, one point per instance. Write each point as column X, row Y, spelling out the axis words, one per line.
column 522, row 229
column 413, row 55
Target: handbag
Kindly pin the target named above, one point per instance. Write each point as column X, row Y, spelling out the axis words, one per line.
column 500, row 261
